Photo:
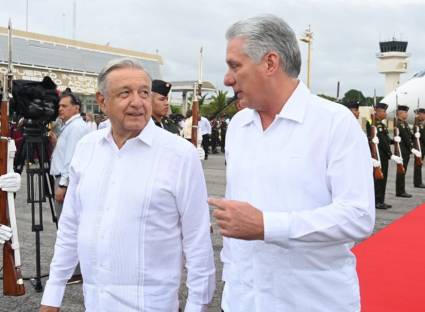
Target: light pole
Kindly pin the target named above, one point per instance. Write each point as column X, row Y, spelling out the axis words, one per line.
column 308, row 38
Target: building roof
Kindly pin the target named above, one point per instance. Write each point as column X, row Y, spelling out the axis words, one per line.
column 187, row 85
column 70, row 55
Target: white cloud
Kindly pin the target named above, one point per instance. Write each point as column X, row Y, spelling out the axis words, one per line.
column 346, row 33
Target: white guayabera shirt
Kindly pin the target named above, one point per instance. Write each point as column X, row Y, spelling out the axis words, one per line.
column 310, row 173
column 130, row 217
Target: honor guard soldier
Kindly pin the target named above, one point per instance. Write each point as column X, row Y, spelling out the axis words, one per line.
column 405, row 141
column 419, row 136
column 353, row 106
column 384, row 149
column 160, row 90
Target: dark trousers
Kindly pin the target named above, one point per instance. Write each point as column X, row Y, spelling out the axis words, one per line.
column 206, row 144
column 417, row 173
column 381, row 185
column 400, row 180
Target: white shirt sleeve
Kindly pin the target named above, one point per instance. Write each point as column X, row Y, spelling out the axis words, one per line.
column 65, row 256
column 195, row 221
column 351, row 214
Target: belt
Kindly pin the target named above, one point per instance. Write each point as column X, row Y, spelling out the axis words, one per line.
column 57, row 176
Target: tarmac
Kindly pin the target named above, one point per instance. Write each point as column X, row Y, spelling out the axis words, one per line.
column 214, row 169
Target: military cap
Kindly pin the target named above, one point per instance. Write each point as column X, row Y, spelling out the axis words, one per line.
column 352, row 104
column 161, row 87
column 403, row 108
column 382, row 105
column 420, row 110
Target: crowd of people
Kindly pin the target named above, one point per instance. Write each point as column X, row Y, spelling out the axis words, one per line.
column 134, row 206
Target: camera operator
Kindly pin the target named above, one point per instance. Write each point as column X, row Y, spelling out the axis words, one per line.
column 74, row 128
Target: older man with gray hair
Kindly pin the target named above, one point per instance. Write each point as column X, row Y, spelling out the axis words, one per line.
column 300, row 197
column 135, row 210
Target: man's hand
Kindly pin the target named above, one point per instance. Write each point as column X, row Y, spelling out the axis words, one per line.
column 44, row 308
column 397, row 159
column 376, row 163
column 10, row 182
column 53, row 138
column 5, row 233
column 397, row 139
column 60, row 194
column 238, row 219
column 416, row 152
column 375, row 140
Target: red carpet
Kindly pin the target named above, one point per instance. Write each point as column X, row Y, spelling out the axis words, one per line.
column 391, row 266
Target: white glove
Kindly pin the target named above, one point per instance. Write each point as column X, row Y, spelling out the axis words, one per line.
column 201, row 153
column 397, row 139
column 397, row 159
column 375, row 140
column 416, row 152
column 5, row 233
column 376, row 163
column 417, row 135
column 10, row 182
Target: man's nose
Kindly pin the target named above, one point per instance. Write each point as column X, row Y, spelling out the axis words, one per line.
column 229, row 80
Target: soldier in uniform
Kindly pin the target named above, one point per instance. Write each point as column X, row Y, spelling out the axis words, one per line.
column 353, row 106
column 417, row 171
column 160, row 90
column 405, row 141
column 384, row 147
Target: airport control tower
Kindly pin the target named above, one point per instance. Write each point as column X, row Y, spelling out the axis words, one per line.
column 392, row 61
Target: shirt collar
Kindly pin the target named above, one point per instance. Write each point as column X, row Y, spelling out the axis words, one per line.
column 146, row 135
column 294, row 108
column 72, row 119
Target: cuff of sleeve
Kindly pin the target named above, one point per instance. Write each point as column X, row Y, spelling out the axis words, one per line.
column 193, row 307
column 63, row 181
column 53, row 295
column 276, row 228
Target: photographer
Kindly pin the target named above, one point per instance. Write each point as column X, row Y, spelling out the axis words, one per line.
column 74, row 128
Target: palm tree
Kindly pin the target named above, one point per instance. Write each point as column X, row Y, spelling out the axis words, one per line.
column 217, row 104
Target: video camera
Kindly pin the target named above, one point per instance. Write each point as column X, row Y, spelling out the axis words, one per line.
column 37, row 102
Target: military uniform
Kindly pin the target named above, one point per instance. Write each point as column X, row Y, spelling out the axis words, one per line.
column 405, row 149
column 163, row 88
column 417, row 171
column 168, row 124
column 385, row 154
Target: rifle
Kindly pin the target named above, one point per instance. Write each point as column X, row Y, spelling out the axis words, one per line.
column 418, row 160
column 195, row 116
column 13, row 284
column 377, row 171
column 397, row 150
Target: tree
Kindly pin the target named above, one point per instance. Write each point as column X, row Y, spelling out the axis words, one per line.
column 218, row 102
column 353, row 95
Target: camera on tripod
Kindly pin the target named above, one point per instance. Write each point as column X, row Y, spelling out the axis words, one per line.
column 35, row 101
column 37, row 104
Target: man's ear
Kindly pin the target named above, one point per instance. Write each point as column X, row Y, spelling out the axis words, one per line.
column 101, row 101
column 272, row 61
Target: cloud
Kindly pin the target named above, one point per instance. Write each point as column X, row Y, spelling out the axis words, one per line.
column 346, row 33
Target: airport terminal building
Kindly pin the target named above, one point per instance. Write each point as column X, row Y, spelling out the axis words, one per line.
column 69, row 63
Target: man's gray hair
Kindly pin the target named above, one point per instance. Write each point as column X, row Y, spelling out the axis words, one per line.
column 114, row 65
column 266, row 33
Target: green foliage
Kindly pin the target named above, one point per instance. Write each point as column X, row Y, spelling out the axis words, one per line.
column 216, row 105
column 176, row 109
column 353, row 95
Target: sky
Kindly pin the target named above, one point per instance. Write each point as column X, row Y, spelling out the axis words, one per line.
column 346, row 33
